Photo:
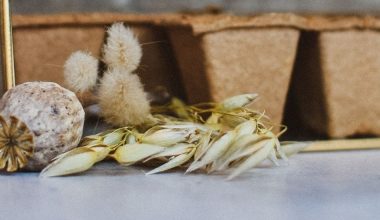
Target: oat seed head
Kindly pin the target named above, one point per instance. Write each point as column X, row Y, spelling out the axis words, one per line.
column 81, row 71
column 122, row 49
column 122, row 98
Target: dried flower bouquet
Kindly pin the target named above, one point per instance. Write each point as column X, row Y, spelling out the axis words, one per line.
column 207, row 136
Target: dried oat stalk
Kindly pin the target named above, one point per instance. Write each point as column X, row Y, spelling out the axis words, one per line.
column 213, row 137
column 16, row 144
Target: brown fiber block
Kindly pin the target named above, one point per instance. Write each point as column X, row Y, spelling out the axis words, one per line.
column 43, row 43
column 337, row 82
column 216, row 65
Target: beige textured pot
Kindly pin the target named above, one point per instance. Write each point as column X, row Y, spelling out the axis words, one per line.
column 216, row 64
column 337, row 82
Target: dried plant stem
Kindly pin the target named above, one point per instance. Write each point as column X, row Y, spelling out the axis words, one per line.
column 7, row 46
column 346, row 144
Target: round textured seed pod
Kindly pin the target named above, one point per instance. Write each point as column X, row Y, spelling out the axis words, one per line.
column 52, row 113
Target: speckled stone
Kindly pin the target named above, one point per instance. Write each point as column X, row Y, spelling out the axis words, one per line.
column 53, row 114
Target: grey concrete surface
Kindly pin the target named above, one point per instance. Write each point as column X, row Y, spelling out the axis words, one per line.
column 341, row 185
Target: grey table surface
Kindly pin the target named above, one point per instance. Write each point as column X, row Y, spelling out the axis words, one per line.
column 339, row 185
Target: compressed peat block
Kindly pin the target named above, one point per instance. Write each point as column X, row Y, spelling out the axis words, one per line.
column 337, row 85
column 216, row 64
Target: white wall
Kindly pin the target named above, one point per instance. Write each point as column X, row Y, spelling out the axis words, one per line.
column 237, row 6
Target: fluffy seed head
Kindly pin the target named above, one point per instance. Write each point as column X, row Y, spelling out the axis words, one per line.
column 81, row 71
column 122, row 49
column 122, row 99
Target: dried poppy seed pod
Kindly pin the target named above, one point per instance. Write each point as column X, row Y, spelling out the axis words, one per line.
column 53, row 114
column 16, row 144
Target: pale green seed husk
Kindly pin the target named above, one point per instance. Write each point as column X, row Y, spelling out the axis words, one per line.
column 216, row 150
column 253, row 160
column 131, row 153
column 174, row 162
column 75, row 161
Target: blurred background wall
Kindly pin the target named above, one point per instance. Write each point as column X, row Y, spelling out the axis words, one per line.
column 236, row 6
